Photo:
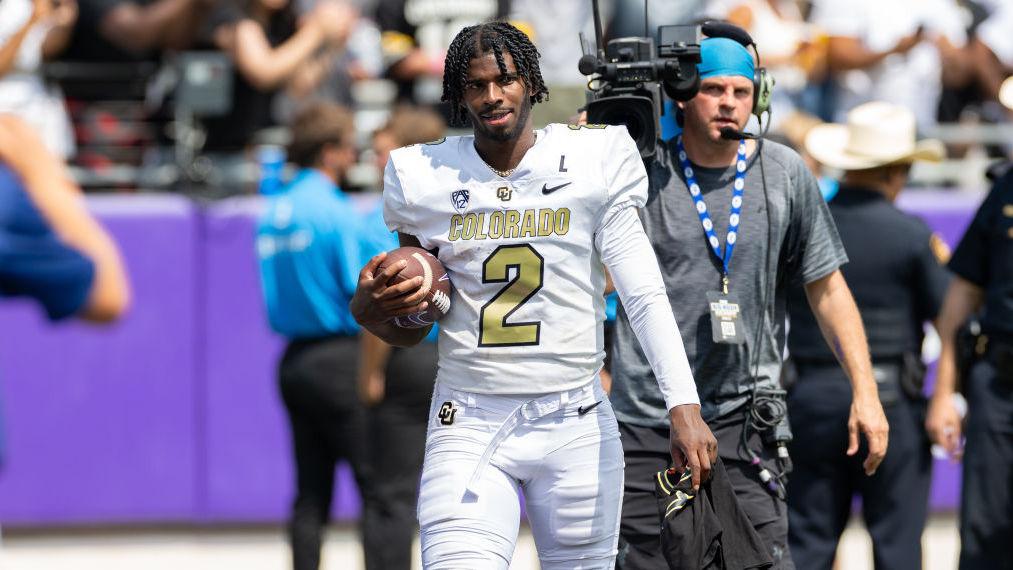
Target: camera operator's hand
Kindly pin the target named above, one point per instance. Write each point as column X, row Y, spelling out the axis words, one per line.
column 693, row 444
column 867, row 417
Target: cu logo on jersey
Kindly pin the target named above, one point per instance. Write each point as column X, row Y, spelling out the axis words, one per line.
column 460, row 199
column 447, row 413
column 504, row 193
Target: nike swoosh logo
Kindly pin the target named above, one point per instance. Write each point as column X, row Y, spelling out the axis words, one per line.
column 582, row 410
column 546, row 190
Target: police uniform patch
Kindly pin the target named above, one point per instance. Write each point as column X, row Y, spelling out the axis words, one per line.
column 939, row 249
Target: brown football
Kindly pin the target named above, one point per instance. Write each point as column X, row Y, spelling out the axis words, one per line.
column 434, row 280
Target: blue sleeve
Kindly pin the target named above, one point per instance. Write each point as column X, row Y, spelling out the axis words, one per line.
column 44, row 269
column 34, row 263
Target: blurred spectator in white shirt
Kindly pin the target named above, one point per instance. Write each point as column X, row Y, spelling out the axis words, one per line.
column 993, row 46
column 415, row 37
column 30, row 33
column 890, row 50
column 792, row 50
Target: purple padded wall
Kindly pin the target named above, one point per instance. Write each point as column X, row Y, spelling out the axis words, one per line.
column 100, row 421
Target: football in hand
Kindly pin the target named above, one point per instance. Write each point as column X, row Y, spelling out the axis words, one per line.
column 435, row 282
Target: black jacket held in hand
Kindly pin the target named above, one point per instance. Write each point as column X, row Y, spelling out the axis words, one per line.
column 706, row 530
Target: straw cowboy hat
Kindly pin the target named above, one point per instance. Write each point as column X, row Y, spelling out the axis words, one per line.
column 877, row 134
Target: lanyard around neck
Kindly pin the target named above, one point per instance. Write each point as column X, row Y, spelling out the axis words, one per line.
column 705, row 218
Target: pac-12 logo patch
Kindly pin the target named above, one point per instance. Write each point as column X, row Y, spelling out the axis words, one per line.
column 447, row 413
column 460, row 198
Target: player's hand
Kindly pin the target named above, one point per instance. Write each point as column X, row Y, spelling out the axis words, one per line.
column 693, row 444
column 868, row 418
column 943, row 424
column 375, row 302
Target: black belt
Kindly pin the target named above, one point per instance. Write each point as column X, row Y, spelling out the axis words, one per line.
column 893, row 378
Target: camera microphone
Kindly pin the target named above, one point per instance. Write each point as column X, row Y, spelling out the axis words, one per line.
column 588, row 64
column 731, row 134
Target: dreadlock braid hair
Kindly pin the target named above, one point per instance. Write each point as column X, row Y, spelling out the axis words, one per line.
column 495, row 37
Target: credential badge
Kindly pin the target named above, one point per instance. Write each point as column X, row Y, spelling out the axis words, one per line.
column 460, row 199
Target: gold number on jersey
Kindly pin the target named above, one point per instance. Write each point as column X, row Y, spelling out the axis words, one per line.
column 529, row 270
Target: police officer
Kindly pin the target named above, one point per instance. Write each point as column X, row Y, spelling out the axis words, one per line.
column 898, row 282
column 983, row 264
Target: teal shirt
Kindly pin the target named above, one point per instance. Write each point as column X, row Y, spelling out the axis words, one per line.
column 310, row 247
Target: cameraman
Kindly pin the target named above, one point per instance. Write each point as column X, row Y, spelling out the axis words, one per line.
column 780, row 231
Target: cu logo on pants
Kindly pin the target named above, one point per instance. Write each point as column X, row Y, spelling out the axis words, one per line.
column 447, row 412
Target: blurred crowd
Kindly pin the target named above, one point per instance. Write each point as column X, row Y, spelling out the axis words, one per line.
column 189, row 94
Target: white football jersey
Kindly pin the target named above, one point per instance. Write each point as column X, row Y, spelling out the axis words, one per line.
column 527, row 309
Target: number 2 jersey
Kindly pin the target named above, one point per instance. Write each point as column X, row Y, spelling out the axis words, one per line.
column 527, row 309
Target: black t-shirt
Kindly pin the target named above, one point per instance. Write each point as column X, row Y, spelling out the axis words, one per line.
column 88, row 43
column 895, row 276
column 251, row 108
column 985, row 256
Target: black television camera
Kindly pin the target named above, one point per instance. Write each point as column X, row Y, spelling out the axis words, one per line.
column 631, row 73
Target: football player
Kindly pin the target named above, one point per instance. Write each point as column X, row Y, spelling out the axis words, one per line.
column 524, row 221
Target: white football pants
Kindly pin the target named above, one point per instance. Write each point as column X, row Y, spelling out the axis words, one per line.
column 561, row 449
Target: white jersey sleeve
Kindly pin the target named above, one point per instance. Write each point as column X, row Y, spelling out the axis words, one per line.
column 396, row 209
column 624, row 174
column 627, row 252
